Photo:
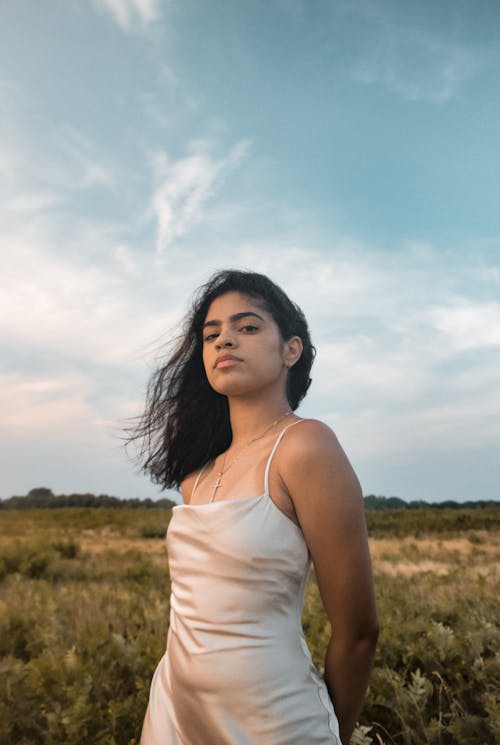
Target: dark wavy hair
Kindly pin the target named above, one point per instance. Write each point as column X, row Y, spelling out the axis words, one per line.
column 185, row 423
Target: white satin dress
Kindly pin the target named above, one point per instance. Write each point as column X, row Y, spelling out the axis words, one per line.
column 237, row 669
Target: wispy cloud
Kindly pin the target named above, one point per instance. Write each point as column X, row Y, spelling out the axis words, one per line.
column 82, row 163
column 394, row 333
column 408, row 336
column 417, row 70
column 69, row 307
column 42, row 179
column 415, row 63
column 467, row 324
column 32, row 202
column 185, row 186
column 408, row 341
column 394, row 374
column 130, row 15
column 48, row 406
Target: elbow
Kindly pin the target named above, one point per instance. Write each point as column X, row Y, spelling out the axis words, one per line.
column 371, row 634
column 357, row 647
column 370, row 631
column 364, row 637
column 366, row 642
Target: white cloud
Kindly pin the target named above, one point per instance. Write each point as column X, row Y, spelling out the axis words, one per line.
column 391, row 374
column 32, row 202
column 417, row 65
column 467, row 324
column 77, row 164
column 124, row 255
column 185, row 186
column 128, row 14
column 43, row 179
column 11, row 160
column 87, row 299
column 75, row 310
column 53, row 433
column 379, row 378
column 55, row 406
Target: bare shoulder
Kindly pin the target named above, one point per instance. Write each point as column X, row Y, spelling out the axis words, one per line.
column 312, row 440
column 310, row 428
column 313, row 455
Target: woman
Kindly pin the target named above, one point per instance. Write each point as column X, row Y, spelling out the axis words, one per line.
column 265, row 492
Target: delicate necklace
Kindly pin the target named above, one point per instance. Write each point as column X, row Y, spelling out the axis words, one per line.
column 224, row 470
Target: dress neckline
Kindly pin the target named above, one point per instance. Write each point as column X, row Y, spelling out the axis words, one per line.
column 266, row 476
column 256, row 498
column 222, row 501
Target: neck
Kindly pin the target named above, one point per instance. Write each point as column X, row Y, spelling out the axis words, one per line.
column 249, row 418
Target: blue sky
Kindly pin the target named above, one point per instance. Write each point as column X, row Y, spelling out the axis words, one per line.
column 350, row 150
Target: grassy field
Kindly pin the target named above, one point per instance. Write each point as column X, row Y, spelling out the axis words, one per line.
column 84, row 612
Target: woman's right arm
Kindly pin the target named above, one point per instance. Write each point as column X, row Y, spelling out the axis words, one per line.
column 329, row 505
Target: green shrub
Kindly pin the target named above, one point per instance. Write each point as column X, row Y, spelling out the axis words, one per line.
column 153, row 531
column 81, row 632
column 68, row 549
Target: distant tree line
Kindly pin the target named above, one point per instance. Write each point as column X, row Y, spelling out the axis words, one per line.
column 44, row 498
column 373, row 502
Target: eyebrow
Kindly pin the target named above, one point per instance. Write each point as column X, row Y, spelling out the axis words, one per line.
column 235, row 318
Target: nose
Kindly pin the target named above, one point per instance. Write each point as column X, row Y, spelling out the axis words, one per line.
column 225, row 339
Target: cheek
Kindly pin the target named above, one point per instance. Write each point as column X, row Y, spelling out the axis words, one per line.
column 270, row 363
column 275, row 353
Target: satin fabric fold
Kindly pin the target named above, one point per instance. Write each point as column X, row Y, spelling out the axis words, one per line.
column 237, row 670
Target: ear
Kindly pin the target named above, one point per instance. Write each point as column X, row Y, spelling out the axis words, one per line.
column 292, row 350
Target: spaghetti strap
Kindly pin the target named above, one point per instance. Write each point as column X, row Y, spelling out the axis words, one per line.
column 278, row 440
column 197, row 480
column 238, row 569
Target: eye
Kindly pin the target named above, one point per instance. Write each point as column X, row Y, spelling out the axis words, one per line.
column 249, row 328
column 210, row 337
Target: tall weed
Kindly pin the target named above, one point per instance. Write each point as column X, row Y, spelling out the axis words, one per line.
column 84, row 613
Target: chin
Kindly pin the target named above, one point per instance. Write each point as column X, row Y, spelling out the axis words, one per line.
column 231, row 390
column 237, row 385
column 230, row 386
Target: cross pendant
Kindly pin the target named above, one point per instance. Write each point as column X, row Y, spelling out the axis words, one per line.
column 217, row 484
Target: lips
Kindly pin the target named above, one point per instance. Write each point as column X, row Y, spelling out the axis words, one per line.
column 226, row 360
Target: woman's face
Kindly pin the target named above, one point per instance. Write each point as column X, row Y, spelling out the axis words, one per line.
column 243, row 351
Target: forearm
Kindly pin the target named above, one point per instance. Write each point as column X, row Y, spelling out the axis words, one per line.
column 347, row 671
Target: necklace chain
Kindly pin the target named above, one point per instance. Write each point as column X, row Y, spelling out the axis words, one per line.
column 224, row 470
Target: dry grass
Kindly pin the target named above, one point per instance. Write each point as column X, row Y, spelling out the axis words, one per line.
column 94, row 541
column 476, row 554
column 473, row 552
column 84, row 612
